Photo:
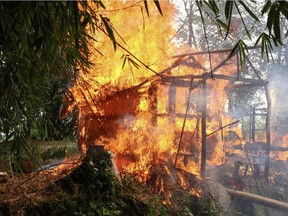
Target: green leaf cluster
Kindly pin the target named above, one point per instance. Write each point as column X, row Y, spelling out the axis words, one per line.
column 42, row 46
column 275, row 11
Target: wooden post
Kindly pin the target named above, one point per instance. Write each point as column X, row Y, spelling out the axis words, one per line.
column 203, row 129
column 172, row 103
column 268, row 134
column 253, row 124
column 152, row 94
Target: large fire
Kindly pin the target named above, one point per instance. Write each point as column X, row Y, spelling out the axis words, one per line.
column 137, row 114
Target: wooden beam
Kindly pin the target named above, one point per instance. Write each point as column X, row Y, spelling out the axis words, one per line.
column 215, row 76
column 231, row 78
column 212, row 52
column 246, row 85
column 183, row 83
column 268, row 202
column 178, row 115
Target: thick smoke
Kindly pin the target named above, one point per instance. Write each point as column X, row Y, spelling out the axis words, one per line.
column 278, row 90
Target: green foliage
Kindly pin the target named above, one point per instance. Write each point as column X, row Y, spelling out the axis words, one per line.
column 92, row 189
column 41, row 45
column 275, row 11
column 210, row 207
column 58, row 152
column 242, row 49
column 266, row 46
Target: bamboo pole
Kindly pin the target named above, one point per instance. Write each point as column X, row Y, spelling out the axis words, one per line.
column 217, row 76
column 268, row 202
column 212, row 51
column 203, row 130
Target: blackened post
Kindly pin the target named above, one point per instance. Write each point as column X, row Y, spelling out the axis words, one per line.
column 203, row 130
column 172, row 103
column 152, row 93
column 268, row 135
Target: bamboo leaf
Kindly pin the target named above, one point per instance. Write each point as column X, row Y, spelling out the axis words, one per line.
column 266, row 51
column 234, row 50
column 283, row 7
column 266, row 7
column 228, row 14
column 249, row 11
column 156, row 2
column 134, row 63
column 199, row 5
column 99, row 3
column 242, row 49
column 268, row 42
column 228, row 9
column 146, row 7
column 262, row 46
column 213, row 6
column 247, row 32
column 222, row 24
column 270, row 19
column 258, row 39
column 109, row 30
column 125, row 58
column 276, row 26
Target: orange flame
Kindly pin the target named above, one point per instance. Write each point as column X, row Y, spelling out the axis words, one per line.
column 130, row 117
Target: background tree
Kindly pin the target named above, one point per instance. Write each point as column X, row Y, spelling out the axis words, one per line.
column 236, row 25
column 42, row 46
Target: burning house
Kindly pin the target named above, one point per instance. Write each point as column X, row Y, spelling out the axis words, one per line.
column 165, row 117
